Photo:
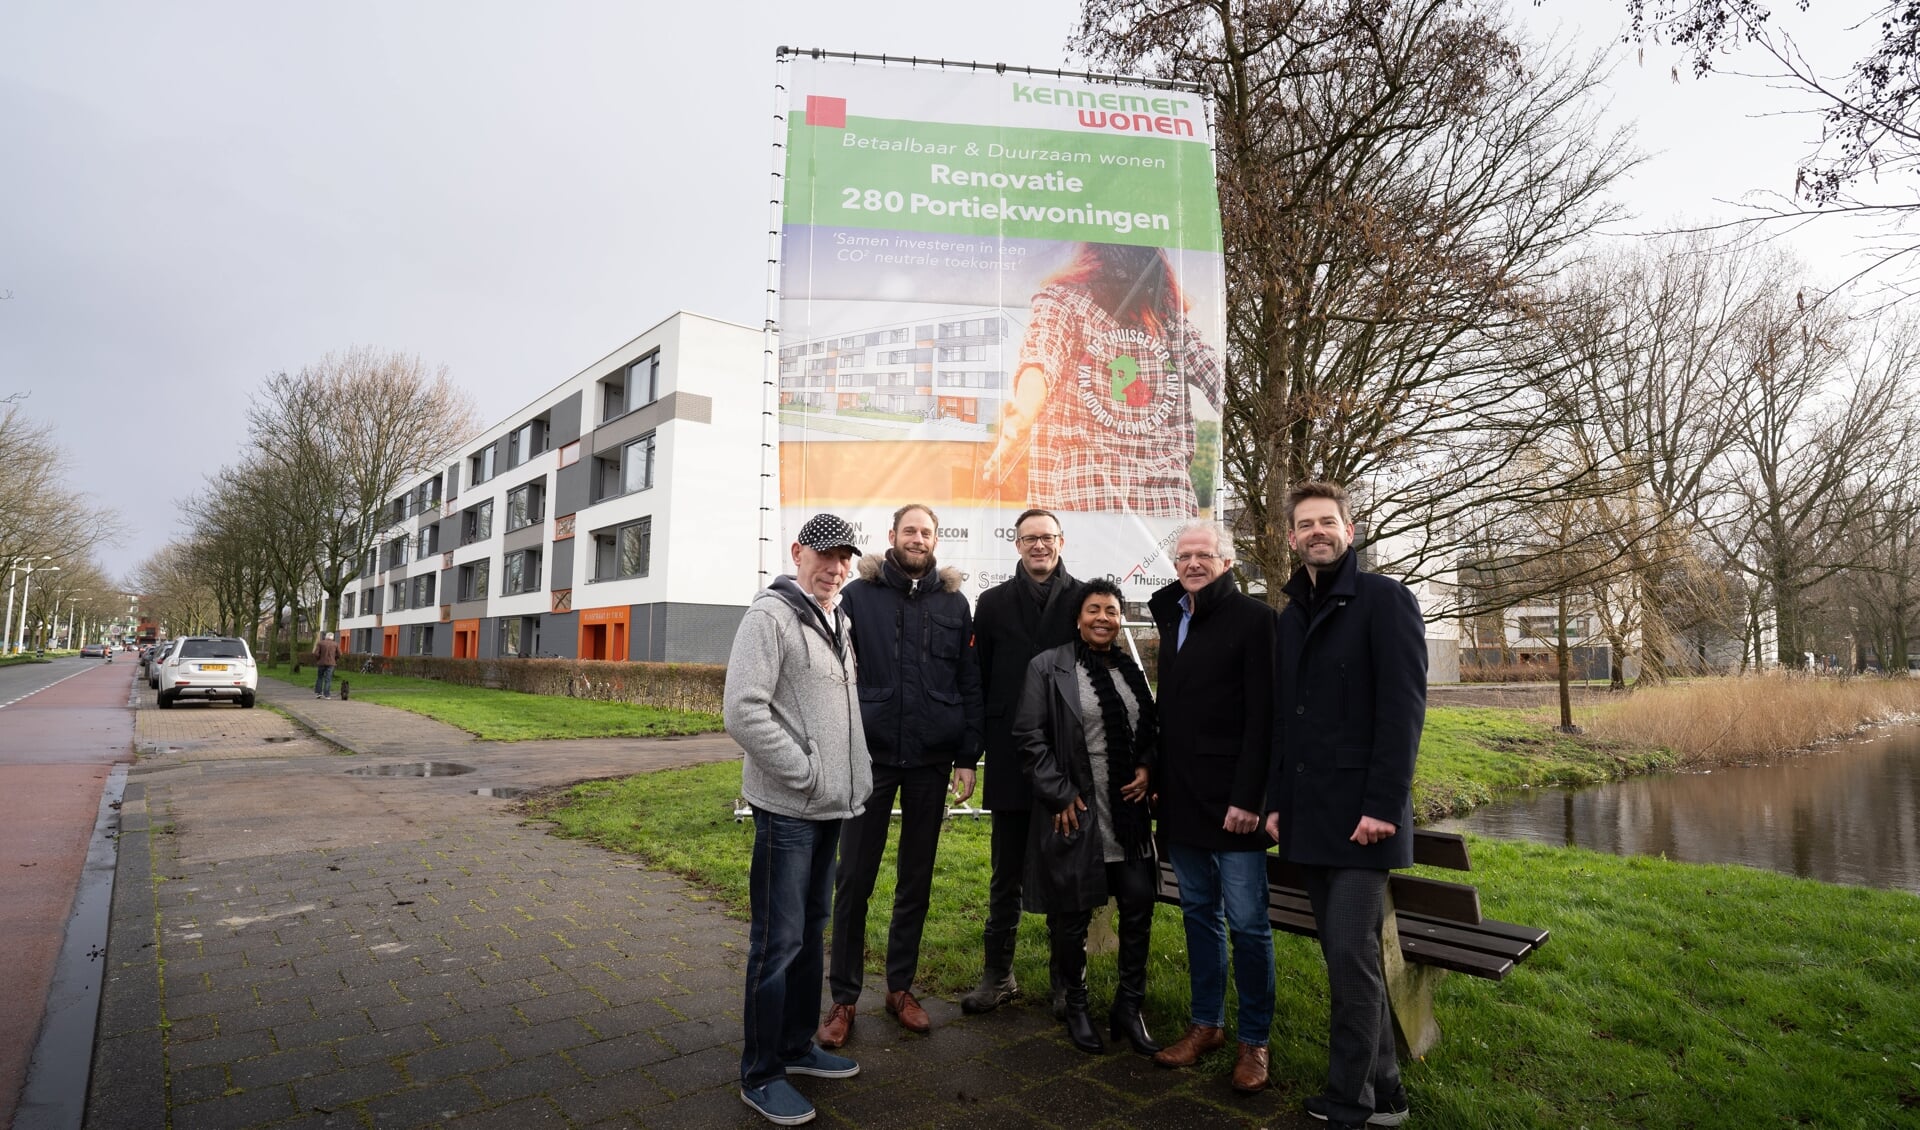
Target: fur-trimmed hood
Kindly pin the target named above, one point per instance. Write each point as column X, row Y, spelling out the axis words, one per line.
column 941, row 579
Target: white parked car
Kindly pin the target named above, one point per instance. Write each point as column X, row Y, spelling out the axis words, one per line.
column 209, row 667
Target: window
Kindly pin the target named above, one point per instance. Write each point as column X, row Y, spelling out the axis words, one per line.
column 480, row 467
column 526, row 505
column 427, row 496
column 396, row 596
column 521, row 573
column 346, row 604
column 473, row 581
column 420, row 639
column 397, row 552
column 476, row 523
column 635, row 386
column 520, row 635
column 214, row 649
column 623, row 552
column 429, row 542
column 423, row 591
column 529, row 440
column 643, row 381
column 1548, row 627
column 636, row 464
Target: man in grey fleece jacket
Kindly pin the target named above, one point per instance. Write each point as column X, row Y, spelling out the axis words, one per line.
column 793, row 705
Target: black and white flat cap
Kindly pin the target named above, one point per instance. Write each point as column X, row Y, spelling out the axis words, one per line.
column 828, row 531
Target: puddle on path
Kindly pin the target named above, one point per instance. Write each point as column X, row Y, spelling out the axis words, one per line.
column 412, row 769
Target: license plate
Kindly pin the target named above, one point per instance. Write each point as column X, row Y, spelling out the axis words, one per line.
column 213, row 667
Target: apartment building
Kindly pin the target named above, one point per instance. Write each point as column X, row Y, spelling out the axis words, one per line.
column 614, row 517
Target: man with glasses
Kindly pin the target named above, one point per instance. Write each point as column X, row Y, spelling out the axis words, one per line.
column 1035, row 609
column 1216, row 723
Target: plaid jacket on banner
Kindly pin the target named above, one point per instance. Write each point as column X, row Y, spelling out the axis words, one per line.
column 1117, row 432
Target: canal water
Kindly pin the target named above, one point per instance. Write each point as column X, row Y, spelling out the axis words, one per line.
column 1848, row 812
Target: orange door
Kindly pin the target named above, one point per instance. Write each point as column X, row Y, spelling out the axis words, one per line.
column 390, row 642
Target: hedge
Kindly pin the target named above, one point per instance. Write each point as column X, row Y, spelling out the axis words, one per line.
column 678, row 686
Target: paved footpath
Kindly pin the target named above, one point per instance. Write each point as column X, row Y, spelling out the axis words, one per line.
column 296, row 945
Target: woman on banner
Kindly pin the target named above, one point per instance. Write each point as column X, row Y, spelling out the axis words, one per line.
column 1100, row 389
column 1088, row 736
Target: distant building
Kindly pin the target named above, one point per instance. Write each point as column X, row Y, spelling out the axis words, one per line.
column 615, row 517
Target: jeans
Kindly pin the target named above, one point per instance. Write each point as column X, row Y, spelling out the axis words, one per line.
column 323, row 680
column 1350, row 905
column 1224, row 893
column 790, row 894
column 863, row 840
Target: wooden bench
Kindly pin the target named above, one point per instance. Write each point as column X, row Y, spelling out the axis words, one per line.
column 1434, row 928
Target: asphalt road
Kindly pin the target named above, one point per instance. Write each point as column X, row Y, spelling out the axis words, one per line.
column 62, row 726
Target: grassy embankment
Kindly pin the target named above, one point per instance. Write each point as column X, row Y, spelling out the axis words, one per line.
column 1671, row 994
column 510, row 716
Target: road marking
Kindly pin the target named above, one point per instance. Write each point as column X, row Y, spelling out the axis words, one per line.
column 49, row 686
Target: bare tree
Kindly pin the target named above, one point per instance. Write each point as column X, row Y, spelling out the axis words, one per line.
column 1398, row 182
column 345, row 433
column 1814, row 442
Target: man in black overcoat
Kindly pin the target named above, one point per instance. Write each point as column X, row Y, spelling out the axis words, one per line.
column 1352, row 695
column 1035, row 609
column 1216, row 739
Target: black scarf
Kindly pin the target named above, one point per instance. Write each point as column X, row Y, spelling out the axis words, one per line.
column 1127, row 748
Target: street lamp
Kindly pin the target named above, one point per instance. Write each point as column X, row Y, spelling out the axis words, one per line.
column 6, row 635
column 26, row 593
column 73, row 604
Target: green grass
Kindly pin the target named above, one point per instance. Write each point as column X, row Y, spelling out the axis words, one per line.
column 1469, row 753
column 511, row 716
column 21, row 660
column 1669, row 995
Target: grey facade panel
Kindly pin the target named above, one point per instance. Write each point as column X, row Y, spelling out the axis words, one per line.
column 453, row 480
column 560, row 571
column 563, row 421
column 570, row 488
column 648, row 641
column 673, row 406
column 526, row 537
column 443, row 641
column 560, row 634
column 700, row 633
column 470, row 609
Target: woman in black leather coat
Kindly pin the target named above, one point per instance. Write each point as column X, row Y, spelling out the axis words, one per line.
column 1087, row 734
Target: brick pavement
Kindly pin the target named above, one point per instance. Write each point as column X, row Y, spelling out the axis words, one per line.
column 413, row 955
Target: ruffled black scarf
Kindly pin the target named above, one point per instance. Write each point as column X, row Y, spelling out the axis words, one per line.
column 1127, row 747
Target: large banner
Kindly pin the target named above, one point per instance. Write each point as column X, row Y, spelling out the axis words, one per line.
column 1000, row 291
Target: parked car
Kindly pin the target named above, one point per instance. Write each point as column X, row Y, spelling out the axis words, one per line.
column 150, row 666
column 209, row 667
column 93, row 651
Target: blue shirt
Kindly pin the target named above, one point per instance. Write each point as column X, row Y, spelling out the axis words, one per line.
column 1186, row 617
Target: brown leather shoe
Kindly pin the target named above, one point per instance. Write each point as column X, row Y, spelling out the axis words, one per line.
column 912, row 1017
column 833, row 1031
column 1198, row 1041
column 1250, row 1071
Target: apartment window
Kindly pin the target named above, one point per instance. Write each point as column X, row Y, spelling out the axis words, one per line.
column 476, row 523
column 521, row 572
column 626, row 551
column 520, row 635
column 473, row 581
column 636, row 465
column 372, row 563
column 480, row 467
column 1548, row 627
column 420, row 639
column 398, row 511
column 635, row 386
column 346, row 605
column 526, row 505
column 427, row 496
column 397, row 552
column 429, row 542
column 423, row 591
column 527, row 441
column 397, row 596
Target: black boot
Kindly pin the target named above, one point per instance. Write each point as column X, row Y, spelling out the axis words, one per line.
column 1080, row 1028
column 1136, row 925
column 1068, row 933
column 1125, row 1021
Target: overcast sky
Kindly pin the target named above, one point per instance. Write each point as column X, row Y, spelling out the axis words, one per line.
column 195, row 195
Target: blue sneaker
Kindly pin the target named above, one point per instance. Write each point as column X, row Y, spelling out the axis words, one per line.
column 824, row 1065
column 778, row 1103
